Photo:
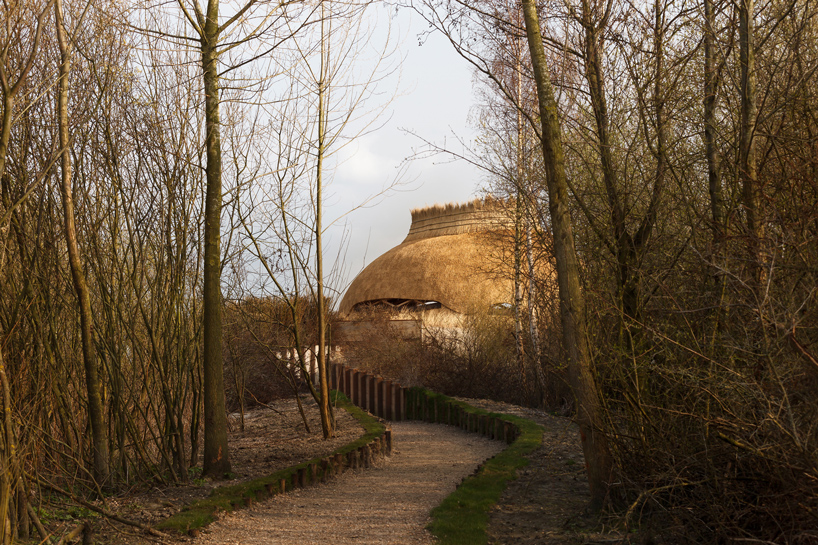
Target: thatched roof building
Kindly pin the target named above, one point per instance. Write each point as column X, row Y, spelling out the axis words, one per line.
column 448, row 261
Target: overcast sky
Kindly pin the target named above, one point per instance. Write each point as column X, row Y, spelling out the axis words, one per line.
column 434, row 100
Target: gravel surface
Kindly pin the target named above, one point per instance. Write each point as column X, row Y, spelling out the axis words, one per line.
column 387, row 504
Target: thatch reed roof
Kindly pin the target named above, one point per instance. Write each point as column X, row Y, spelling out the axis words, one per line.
column 456, row 219
column 444, row 258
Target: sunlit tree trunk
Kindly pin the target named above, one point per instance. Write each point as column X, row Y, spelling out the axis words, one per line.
column 216, row 456
column 327, row 421
column 533, row 317
column 96, row 413
column 572, row 300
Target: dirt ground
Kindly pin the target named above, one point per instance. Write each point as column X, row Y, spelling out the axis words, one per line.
column 387, row 504
column 274, row 438
column 545, row 505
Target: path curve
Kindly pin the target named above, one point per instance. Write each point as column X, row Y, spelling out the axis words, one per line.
column 386, row 504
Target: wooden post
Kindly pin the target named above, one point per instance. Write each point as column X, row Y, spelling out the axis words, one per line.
column 409, row 398
column 367, row 389
column 401, row 403
column 387, row 400
column 360, row 387
column 326, row 468
column 423, row 401
column 393, row 401
column 378, row 397
column 388, row 435
column 348, row 382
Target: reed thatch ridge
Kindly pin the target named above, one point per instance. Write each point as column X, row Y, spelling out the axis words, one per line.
column 455, row 219
column 446, row 258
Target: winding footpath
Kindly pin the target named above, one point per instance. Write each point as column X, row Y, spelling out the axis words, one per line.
column 386, row 504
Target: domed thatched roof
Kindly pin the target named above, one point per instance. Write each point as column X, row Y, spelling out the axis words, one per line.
column 445, row 258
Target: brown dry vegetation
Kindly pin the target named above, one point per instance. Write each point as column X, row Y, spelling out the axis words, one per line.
column 690, row 132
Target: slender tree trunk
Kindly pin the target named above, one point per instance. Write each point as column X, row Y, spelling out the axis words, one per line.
column 8, row 459
column 659, row 92
column 572, row 301
column 5, row 130
column 96, row 413
column 710, row 87
column 533, row 318
column 519, row 190
column 747, row 143
column 628, row 278
column 713, row 179
column 327, row 421
column 518, row 276
column 7, row 444
column 216, row 456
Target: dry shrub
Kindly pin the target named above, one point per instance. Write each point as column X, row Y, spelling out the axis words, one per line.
column 259, row 333
column 475, row 360
column 713, row 411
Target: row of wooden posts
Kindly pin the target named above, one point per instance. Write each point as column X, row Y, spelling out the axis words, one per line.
column 327, row 468
column 383, row 398
column 389, row 400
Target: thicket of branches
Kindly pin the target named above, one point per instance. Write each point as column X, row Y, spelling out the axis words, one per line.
column 689, row 130
column 108, row 148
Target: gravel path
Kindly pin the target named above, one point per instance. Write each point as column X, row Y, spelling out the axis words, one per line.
column 387, row 504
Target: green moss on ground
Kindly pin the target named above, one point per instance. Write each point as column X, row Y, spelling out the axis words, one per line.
column 462, row 518
column 228, row 498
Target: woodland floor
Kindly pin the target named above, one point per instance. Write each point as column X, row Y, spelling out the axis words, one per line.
column 545, row 505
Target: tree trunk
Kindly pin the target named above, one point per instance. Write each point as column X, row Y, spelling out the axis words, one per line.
column 533, row 317
column 518, row 273
column 572, row 301
column 327, row 423
column 710, row 87
column 216, row 456
column 520, row 190
column 96, row 413
column 747, row 146
column 628, row 278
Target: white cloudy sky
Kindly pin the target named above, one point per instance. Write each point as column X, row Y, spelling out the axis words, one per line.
column 435, row 96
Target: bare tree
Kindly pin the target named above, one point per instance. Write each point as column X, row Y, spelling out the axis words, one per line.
column 249, row 22
column 572, row 300
column 96, row 413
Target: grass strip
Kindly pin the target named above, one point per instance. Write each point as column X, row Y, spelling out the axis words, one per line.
column 462, row 518
column 228, row 498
